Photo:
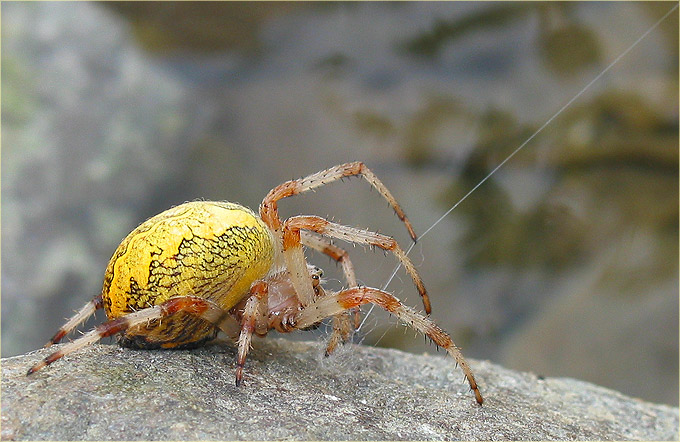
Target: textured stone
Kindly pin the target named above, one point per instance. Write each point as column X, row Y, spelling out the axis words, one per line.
column 290, row 391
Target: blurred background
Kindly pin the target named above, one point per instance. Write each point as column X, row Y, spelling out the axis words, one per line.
column 564, row 263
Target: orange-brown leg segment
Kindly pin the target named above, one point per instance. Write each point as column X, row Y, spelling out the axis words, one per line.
column 296, row 264
column 292, row 249
column 291, row 241
column 342, row 323
column 338, row 254
column 332, row 304
column 254, row 321
column 269, row 210
column 189, row 304
column 77, row 319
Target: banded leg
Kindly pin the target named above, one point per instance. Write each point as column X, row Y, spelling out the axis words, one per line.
column 199, row 307
column 338, row 254
column 254, row 320
column 333, row 304
column 88, row 310
column 342, row 325
column 291, row 241
column 269, row 210
column 293, row 254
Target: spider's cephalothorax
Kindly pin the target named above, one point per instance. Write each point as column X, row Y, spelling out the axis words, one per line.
column 205, row 266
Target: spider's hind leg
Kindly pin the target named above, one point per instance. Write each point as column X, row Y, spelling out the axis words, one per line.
column 189, row 304
column 81, row 316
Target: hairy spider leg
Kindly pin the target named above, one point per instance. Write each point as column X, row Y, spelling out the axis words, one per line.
column 324, row 245
column 291, row 240
column 81, row 316
column 255, row 320
column 342, row 325
column 334, row 303
column 294, row 256
column 269, row 210
column 188, row 304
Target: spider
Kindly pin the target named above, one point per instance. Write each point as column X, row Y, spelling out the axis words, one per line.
column 205, row 266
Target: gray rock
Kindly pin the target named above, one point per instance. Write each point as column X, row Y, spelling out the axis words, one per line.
column 290, row 391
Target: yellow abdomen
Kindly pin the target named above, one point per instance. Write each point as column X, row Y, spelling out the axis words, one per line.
column 213, row 250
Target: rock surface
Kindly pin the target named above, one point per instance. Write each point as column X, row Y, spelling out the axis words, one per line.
column 290, row 391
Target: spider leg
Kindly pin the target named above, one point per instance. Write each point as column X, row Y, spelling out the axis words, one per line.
column 85, row 312
column 325, row 246
column 291, row 245
column 333, row 304
column 255, row 319
column 189, row 304
column 269, row 210
column 342, row 325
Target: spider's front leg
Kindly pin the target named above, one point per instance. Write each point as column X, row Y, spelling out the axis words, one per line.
column 335, row 303
column 293, row 251
column 269, row 208
column 343, row 328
